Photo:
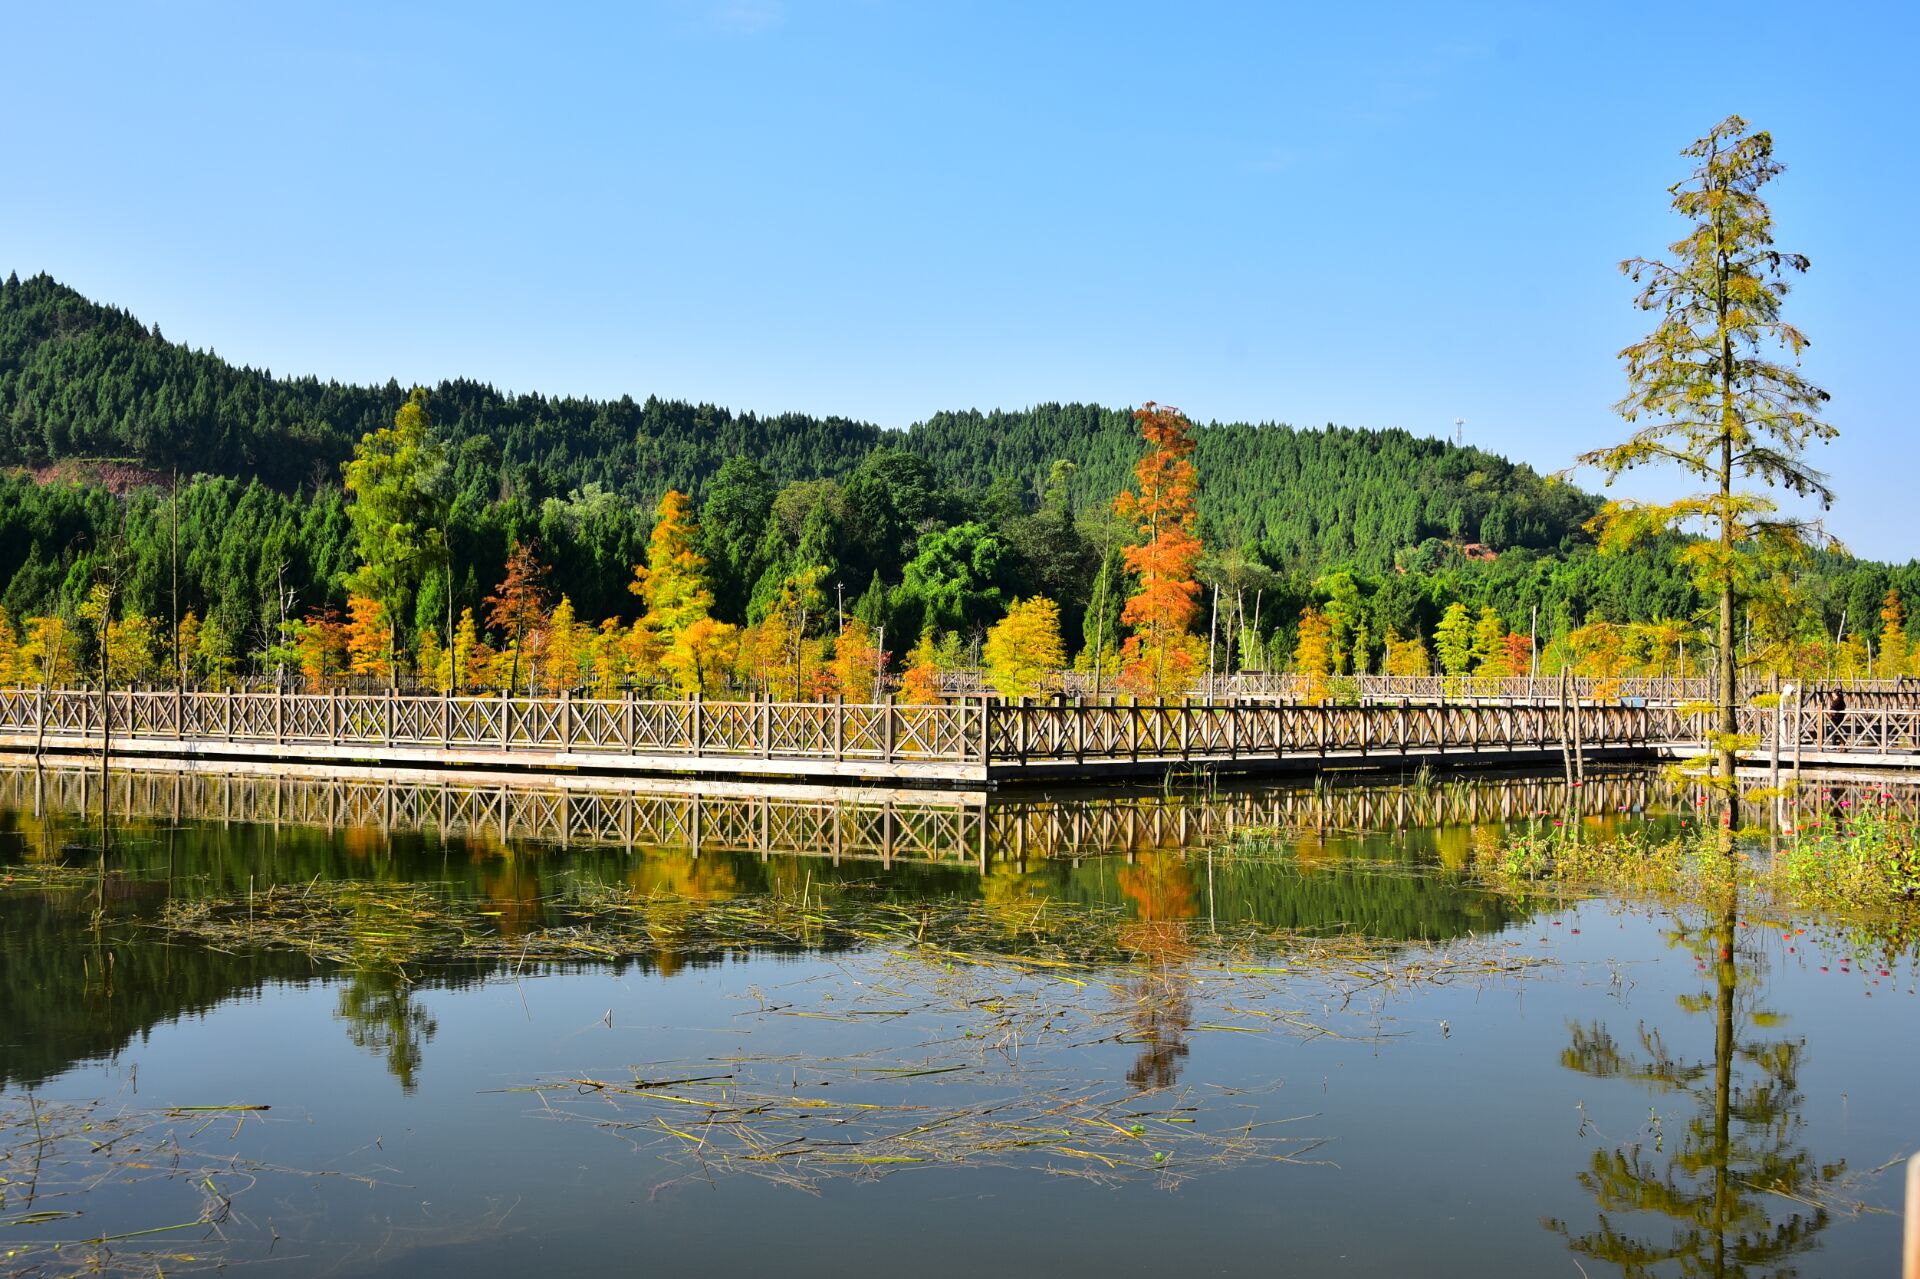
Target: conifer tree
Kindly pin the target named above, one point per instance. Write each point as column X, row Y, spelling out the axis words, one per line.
column 1024, row 648
column 1162, row 655
column 1705, row 397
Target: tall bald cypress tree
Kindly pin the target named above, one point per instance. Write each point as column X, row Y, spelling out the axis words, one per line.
column 1708, row 394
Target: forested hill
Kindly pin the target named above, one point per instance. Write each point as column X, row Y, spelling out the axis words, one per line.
column 1309, row 498
column 78, row 379
column 83, row 380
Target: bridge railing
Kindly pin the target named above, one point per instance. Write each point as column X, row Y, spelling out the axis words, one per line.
column 971, row 733
column 1051, row 731
column 1883, row 730
column 692, row 727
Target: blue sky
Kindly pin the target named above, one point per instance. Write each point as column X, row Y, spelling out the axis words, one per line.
column 1372, row 214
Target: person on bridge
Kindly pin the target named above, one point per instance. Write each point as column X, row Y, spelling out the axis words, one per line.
column 1836, row 733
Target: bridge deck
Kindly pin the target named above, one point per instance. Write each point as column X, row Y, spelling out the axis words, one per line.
column 971, row 744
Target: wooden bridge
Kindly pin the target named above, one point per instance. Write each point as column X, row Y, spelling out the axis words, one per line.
column 953, row 744
column 950, row 744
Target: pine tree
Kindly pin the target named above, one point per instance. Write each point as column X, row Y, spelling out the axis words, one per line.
column 1717, row 407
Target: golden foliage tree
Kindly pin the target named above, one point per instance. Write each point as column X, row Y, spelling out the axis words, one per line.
column 50, row 654
column 1024, row 649
column 856, row 662
column 10, row 672
column 920, row 685
column 1313, row 653
column 369, row 637
column 694, row 648
column 1896, row 653
column 1705, row 397
column 1161, row 656
column 1407, row 656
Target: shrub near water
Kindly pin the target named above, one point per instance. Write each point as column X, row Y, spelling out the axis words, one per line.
column 1863, row 858
column 1861, row 855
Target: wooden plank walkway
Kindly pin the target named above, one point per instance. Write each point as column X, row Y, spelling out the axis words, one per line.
column 953, row 744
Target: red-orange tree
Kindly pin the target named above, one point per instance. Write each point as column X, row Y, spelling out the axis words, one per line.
column 520, row 609
column 1162, row 654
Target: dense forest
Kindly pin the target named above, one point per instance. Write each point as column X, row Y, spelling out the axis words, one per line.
column 1379, row 536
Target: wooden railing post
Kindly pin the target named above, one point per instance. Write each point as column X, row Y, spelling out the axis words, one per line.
column 566, row 720
column 886, row 727
column 839, row 728
column 506, row 719
column 696, row 725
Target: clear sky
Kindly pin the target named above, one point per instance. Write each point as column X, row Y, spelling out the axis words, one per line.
column 1372, row 214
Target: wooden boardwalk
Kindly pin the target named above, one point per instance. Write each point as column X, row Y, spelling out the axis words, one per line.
column 957, row 744
column 951, row 744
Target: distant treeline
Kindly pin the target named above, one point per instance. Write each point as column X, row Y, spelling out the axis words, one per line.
column 939, row 525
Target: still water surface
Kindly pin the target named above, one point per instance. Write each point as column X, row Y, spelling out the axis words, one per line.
column 1487, row 1085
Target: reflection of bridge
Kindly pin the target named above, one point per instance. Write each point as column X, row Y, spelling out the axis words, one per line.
column 857, row 824
column 950, row 744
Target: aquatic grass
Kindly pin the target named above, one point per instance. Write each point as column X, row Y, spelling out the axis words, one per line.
column 54, row 1155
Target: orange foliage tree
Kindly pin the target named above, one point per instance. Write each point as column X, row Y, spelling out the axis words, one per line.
column 520, row 609
column 920, row 684
column 1162, row 654
column 368, row 637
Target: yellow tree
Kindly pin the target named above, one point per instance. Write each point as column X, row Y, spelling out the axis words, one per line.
column 186, row 648
column 1704, row 397
column 9, row 652
column 462, row 653
column 1023, row 650
column 674, row 584
column 1896, row 654
column 1407, row 656
column 51, row 654
column 1453, row 638
column 132, row 643
column 920, row 685
column 1162, row 655
column 1490, row 647
column 430, row 660
column 1313, row 653
column 702, row 653
column 856, row 662
column 566, row 644
column 609, row 658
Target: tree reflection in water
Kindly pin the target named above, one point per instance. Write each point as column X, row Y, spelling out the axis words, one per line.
column 377, row 1005
column 1740, row 1192
column 1160, row 886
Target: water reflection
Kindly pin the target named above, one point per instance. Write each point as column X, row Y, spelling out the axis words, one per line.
column 1740, row 1194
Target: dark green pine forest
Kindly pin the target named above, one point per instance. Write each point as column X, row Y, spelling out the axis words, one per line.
column 937, row 525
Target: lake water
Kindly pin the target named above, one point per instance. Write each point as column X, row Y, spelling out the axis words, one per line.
column 1256, row 1032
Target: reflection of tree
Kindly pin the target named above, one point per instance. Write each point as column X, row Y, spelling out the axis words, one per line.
column 1737, row 1187
column 377, row 1005
column 1160, row 885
